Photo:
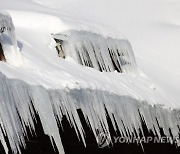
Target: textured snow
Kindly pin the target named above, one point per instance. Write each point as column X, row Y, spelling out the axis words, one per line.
column 35, row 76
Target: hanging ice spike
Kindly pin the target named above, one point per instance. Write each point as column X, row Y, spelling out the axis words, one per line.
column 15, row 103
column 94, row 50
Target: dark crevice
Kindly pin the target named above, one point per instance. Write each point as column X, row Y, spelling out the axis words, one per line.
column 2, row 57
column 116, row 65
column 39, row 143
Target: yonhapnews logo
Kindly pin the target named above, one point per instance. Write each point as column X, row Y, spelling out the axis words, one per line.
column 103, row 139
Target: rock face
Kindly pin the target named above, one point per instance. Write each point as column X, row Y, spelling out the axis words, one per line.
column 2, row 58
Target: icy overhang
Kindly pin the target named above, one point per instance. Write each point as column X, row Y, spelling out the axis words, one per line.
column 8, row 43
column 94, row 50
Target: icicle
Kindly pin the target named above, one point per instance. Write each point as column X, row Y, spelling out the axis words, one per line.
column 41, row 99
column 93, row 50
column 15, row 103
column 8, row 39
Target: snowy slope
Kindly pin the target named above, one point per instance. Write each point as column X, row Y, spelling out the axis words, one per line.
column 142, row 22
column 151, row 27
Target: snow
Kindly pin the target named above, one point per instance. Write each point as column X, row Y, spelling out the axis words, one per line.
column 16, row 97
column 93, row 50
column 34, row 72
column 8, row 39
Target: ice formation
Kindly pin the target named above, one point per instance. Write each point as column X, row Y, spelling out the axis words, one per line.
column 17, row 99
column 8, row 39
column 93, row 50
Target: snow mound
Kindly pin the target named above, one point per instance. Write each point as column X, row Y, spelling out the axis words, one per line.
column 8, row 39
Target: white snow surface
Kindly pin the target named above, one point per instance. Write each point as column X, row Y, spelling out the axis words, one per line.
column 152, row 28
